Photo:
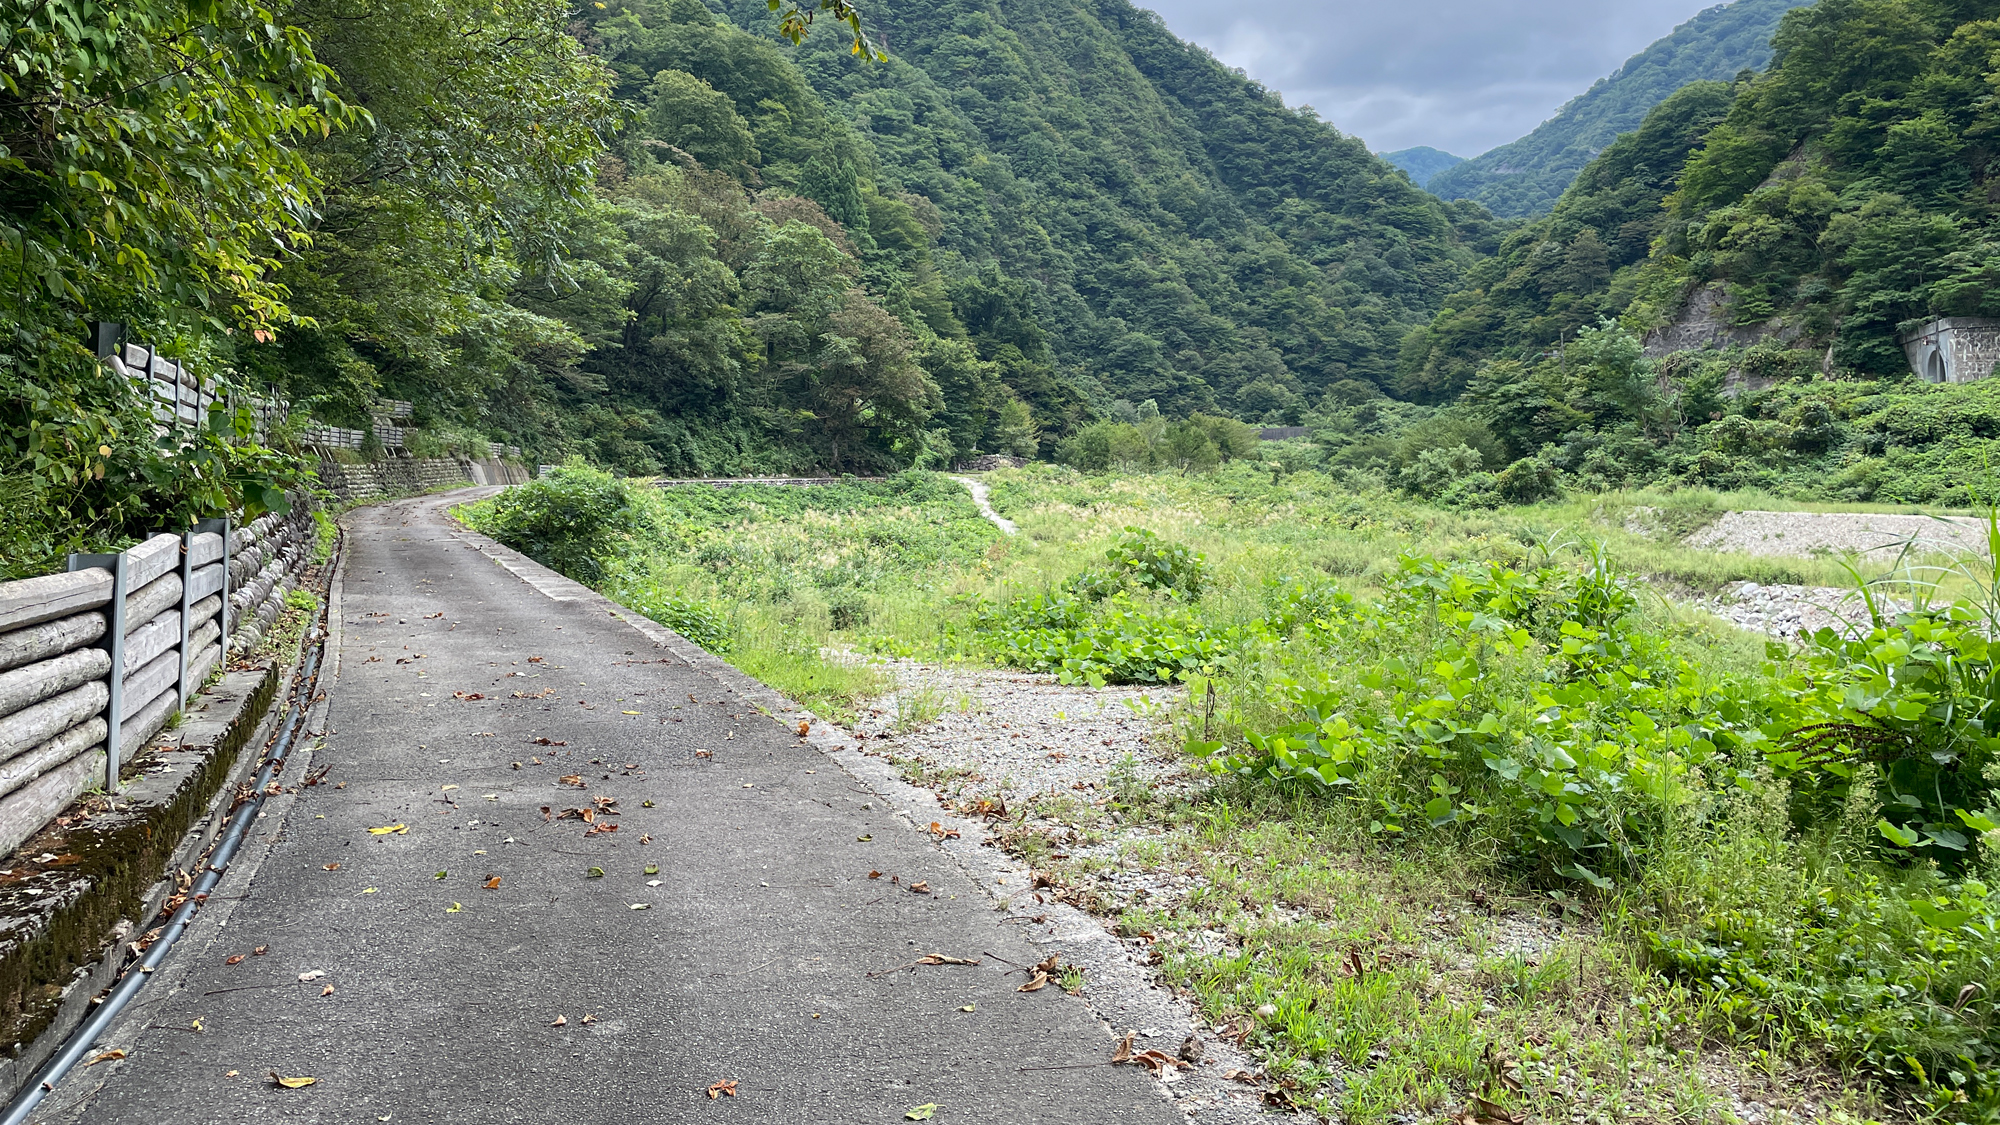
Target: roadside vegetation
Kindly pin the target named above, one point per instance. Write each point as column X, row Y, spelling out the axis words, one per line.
column 1416, row 718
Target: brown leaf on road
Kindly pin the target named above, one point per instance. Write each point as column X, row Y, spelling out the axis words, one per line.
column 575, row 780
column 492, row 884
column 601, row 830
column 940, row 832
column 941, row 959
column 1159, row 1062
column 547, row 742
column 260, row 951
column 534, row 660
column 559, row 1021
column 327, row 991
column 921, row 887
column 804, row 726
column 1047, row 965
column 429, row 616
column 468, row 696
column 292, row 1083
column 233, row 959
column 1124, row 1051
column 330, row 866
column 724, row 1089
column 874, row 874
column 1035, row 983
column 108, row 1056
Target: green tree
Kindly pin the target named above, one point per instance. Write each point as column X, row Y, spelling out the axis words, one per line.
column 689, row 114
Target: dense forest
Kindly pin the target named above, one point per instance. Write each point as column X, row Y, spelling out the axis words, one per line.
column 1525, row 177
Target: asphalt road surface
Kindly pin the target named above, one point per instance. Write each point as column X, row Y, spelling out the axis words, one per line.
column 472, row 965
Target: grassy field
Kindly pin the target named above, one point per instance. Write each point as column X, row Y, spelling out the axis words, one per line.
column 1754, row 870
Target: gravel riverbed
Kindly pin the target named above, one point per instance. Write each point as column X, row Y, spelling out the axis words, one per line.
column 1808, row 533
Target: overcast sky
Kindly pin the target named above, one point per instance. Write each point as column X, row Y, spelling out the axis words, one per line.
column 1460, row 75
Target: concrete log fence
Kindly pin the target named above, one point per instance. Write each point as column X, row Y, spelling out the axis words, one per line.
column 94, row 661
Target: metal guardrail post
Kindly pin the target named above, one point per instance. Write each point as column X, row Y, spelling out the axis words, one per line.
column 114, row 641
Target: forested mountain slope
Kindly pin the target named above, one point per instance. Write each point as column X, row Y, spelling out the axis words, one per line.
column 1788, row 227
column 1524, row 177
column 1185, row 237
column 1423, row 162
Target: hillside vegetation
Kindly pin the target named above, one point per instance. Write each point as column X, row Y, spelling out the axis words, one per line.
column 1524, row 178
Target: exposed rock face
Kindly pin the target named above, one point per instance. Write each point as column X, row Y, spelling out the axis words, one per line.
column 1704, row 324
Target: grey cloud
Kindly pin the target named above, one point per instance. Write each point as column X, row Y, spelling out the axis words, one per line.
column 1458, row 75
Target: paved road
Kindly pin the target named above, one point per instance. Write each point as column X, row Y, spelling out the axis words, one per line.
column 764, row 956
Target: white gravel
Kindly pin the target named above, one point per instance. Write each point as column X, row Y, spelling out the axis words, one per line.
column 1786, row 611
column 1809, row 533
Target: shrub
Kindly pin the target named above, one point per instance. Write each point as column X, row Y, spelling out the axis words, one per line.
column 570, row 520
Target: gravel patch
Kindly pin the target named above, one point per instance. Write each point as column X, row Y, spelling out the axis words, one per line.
column 1786, row 611
column 1809, row 533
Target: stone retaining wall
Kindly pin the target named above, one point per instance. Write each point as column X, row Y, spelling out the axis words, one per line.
column 402, row 476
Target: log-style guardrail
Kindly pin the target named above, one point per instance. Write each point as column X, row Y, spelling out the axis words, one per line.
column 95, row 660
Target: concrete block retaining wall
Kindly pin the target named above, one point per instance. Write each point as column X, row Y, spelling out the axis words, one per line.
column 125, row 639
column 401, row 476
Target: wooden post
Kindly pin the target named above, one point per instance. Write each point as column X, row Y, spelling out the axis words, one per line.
column 113, row 642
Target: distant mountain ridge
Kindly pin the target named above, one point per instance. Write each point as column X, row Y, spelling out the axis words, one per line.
column 1524, row 178
column 1422, row 162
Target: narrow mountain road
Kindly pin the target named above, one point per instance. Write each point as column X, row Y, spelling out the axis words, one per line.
column 490, row 959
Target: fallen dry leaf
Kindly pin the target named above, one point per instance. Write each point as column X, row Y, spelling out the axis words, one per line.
column 534, row 660
column 429, row 616
column 941, row 959
column 399, row 829
column 574, row 779
column 704, row 753
column 330, row 866
column 1124, row 1051
column 492, row 884
column 588, row 1018
column 311, row 976
column 260, row 951
column 327, row 991
column 874, row 874
column 921, row 886
column 1239, row 1076
column 468, row 696
column 1483, row 1112
column 804, row 726
column 559, row 1021
column 724, row 1089
column 1035, row 983
column 292, row 1083
column 108, row 1056
column 233, row 959
column 601, row 829
column 940, row 832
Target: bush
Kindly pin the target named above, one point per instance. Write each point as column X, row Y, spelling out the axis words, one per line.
column 570, row 520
